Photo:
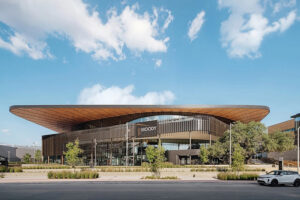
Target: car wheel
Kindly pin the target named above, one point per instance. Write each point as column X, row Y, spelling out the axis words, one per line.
column 297, row 183
column 274, row 182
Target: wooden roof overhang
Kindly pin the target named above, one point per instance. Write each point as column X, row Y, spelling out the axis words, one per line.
column 61, row 118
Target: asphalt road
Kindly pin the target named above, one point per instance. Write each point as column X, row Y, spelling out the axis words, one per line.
column 146, row 190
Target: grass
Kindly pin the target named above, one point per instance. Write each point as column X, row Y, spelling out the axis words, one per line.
column 47, row 167
column 123, row 169
column 73, row 175
column 235, row 176
column 10, row 169
column 224, row 169
column 161, row 178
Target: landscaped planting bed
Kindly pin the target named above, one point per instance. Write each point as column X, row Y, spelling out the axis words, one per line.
column 123, row 169
column 73, row 175
column 10, row 169
column 47, row 167
column 161, row 178
column 224, row 169
column 236, row 176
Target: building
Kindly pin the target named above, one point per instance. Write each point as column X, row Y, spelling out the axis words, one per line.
column 16, row 153
column 289, row 126
column 119, row 134
column 286, row 126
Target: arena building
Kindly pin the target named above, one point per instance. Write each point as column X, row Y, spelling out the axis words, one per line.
column 119, row 134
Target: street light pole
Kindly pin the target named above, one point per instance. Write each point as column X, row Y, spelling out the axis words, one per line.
column 126, row 144
column 230, row 145
column 298, row 149
column 95, row 163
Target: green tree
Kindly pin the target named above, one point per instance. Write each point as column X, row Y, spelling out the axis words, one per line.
column 155, row 156
column 203, row 154
column 238, row 158
column 284, row 141
column 27, row 158
column 73, row 152
column 249, row 136
column 217, row 151
column 38, row 155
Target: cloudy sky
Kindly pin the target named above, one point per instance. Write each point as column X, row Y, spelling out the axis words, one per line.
column 149, row 52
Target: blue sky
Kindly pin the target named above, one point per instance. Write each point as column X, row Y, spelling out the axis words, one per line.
column 148, row 52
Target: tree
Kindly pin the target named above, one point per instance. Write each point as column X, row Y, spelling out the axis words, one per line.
column 203, row 155
column 38, row 155
column 72, row 154
column 27, row 158
column 284, row 141
column 238, row 158
column 249, row 136
column 217, row 151
column 155, row 156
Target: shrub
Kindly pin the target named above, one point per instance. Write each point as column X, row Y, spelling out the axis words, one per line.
column 167, row 165
column 18, row 169
column 50, row 175
column 73, row 175
column 234, row 176
column 3, row 169
column 10, row 169
column 47, row 167
column 158, row 177
column 1, row 175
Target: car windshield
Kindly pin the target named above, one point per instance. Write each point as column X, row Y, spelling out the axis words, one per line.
column 275, row 172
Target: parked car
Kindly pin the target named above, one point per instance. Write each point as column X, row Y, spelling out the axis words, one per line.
column 3, row 161
column 280, row 177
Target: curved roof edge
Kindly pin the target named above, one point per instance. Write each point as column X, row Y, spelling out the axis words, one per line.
column 61, row 118
column 138, row 106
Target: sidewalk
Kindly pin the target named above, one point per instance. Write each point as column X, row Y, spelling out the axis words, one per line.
column 31, row 177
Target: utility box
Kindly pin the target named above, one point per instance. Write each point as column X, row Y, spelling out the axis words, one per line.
column 280, row 163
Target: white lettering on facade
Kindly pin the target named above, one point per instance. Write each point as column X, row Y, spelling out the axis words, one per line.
column 151, row 128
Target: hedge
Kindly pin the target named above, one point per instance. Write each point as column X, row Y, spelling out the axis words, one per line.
column 224, row 169
column 10, row 169
column 47, row 167
column 122, row 169
column 163, row 178
column 73, row 175
column 235, row 176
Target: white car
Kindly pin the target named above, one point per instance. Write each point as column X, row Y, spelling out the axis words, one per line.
column 280, row 177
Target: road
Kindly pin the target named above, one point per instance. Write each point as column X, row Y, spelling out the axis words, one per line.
column 146, row 190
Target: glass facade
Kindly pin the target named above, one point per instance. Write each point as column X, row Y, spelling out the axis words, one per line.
column 108, row 145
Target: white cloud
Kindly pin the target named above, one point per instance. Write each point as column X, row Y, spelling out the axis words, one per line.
column 158, row 63
column 196, row 25
column 6, row 131
column 278, row 6
column 98, row 94
column 32, row 22
column 244, row 30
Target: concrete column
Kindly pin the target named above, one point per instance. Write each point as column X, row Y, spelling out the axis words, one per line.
column 48, row 160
